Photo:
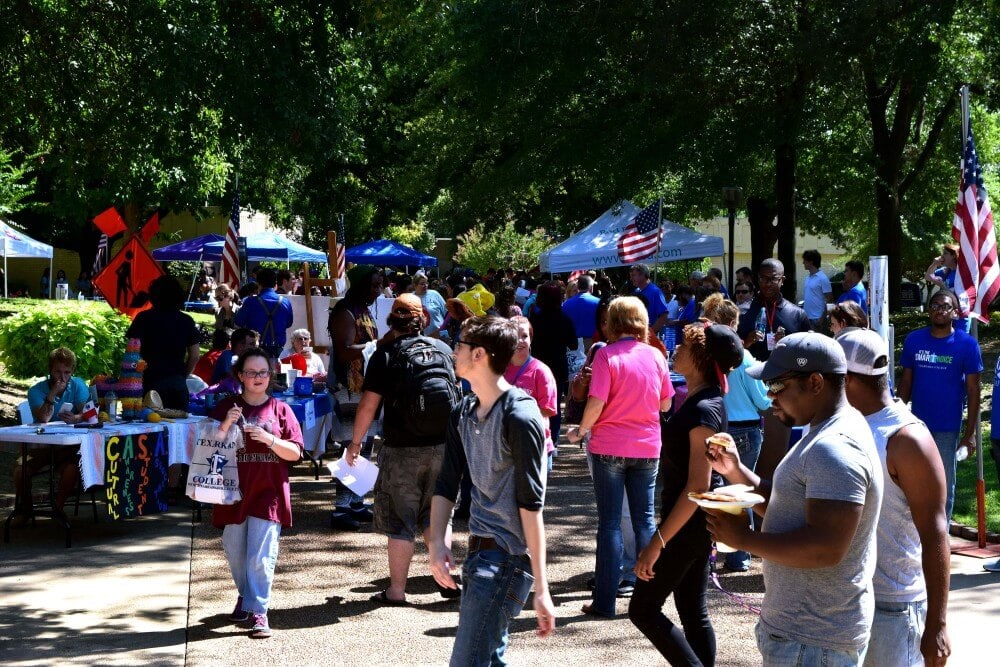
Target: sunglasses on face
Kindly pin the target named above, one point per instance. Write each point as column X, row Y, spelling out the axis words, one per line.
column 778, row 385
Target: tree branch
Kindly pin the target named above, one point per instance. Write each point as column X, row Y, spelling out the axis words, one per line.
column 932, row 139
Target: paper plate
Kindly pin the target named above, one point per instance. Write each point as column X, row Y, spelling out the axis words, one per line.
column 746, row 500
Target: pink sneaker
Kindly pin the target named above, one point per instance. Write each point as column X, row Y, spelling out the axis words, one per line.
column 261, row 630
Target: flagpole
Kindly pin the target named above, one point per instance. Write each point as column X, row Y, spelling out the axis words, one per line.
column 974, row 331
column 659, row 239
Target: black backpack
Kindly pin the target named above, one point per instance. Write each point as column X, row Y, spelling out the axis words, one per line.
column 427, row 389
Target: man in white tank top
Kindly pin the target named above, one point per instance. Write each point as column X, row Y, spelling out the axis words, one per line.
column 912, row 570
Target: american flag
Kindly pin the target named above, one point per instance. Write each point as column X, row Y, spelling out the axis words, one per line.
column 341, row 264
column 101, row 259
column 230, row 251
column 978, row 279
column 640, row 237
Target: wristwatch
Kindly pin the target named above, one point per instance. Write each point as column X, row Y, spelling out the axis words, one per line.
column 582, row 431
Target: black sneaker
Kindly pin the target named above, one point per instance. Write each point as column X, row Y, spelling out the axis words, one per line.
column 343, row 521
column 626, row 588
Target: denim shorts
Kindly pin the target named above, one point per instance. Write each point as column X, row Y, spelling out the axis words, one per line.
column 896, row 634
column 778, row 651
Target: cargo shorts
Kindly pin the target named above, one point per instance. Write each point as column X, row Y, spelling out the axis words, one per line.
column 404, row 488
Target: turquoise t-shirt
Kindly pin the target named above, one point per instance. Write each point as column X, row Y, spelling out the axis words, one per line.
column 76, row 394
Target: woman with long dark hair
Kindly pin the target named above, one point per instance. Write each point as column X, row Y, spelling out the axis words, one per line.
column 675, row 560
column 554, row 337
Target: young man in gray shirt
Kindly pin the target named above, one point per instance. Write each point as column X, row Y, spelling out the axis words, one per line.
column 499, row 433
column 818, row 536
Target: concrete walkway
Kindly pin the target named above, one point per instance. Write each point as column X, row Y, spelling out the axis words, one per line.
column 156, row 591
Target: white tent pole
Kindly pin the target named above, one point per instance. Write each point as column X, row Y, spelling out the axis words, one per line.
column 5, row 267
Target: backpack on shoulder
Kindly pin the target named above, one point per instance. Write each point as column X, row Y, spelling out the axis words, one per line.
column 427, row 390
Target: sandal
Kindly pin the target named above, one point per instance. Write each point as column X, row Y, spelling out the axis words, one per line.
column 384, row 599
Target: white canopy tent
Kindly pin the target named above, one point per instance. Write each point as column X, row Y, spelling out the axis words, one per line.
column 17, row 244
column 596, row 246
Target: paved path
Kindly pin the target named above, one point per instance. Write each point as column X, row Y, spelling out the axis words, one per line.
column 157, row 592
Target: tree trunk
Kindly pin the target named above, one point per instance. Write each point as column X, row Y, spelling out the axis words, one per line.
column 784, row 192
column 763, row 233
column 890, row 227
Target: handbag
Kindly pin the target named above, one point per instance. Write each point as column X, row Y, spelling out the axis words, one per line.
column 574, row 410
column 213, row 476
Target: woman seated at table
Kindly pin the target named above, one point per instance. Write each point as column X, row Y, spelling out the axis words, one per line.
column 250, row 529
column 60, row 397
column 302, row 358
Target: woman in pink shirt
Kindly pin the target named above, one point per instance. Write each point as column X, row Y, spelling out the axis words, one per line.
column 534, row 377
column 629, row 388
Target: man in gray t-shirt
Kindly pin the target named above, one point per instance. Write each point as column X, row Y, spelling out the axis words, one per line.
column 818, row 535
column 496, row 436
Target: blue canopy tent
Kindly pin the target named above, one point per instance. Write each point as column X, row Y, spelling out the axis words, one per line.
column 191, row 250
column 260, row 246
column 18, row 244
column 388, row 253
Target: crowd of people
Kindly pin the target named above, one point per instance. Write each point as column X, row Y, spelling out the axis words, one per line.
column 669, row 385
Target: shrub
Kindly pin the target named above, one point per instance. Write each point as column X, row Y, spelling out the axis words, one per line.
column 93, row 331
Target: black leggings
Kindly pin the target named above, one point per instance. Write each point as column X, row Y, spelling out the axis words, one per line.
column 681, row 569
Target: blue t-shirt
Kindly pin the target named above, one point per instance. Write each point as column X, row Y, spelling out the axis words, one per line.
column 686, row 317
column 995, row 414
column 858, row 294
column 269, row 314
column 76, row 394
column 947, row 275
column 582, row 309
column 939, row 367
column 656, row 304
column 223, row 367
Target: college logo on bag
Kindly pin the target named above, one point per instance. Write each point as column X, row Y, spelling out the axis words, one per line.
column 213, row 477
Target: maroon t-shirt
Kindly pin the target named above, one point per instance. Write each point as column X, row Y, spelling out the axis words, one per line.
column 263, row 474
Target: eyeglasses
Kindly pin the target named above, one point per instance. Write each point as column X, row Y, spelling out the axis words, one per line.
column 778, row 385
column 941, row 307
column 255, row 375
column 773, row 279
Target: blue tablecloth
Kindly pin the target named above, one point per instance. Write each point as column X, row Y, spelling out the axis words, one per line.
column 322, row 404
column 199, row 306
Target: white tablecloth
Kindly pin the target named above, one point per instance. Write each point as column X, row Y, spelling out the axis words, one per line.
column 91, row 442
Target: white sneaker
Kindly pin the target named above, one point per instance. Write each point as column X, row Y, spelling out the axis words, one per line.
column 992, row 567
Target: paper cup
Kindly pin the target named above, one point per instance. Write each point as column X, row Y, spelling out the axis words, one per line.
column 290, row 376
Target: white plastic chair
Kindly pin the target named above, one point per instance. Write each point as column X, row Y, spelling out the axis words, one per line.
column 24, row 410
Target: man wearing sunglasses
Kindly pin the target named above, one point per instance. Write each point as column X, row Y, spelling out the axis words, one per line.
column 941, row 367
column 818, row 536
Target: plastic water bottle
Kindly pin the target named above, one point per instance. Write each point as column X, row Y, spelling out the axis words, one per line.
column 112, row 400
column 761, row 324
column 962, row 453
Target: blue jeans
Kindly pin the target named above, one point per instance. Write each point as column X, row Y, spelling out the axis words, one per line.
column 896, row 634
column 748, row 442
column 615, row 478
column 780, row 651
column 947, row 444
column 251, row 548
column 495, row 586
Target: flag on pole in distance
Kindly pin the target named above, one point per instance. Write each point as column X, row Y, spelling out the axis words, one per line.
column 341, row 263
column 101, row 258
column 641, row 235
column 230, row 251
column 978, row 280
